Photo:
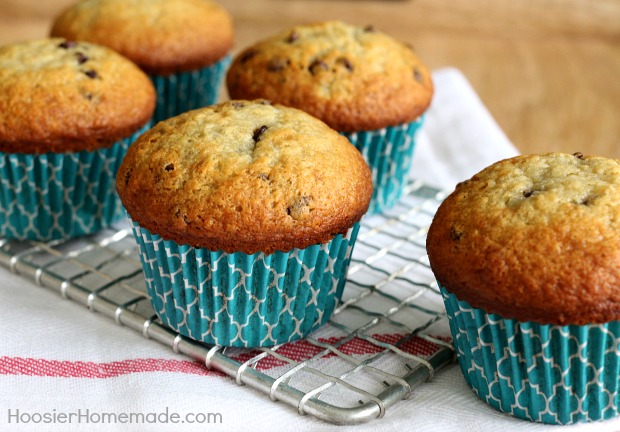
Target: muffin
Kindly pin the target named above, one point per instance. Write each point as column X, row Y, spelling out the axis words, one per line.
column 245, row 216
column 68, row 112
column 527, row 255
column 358, row 80
column 181, row 44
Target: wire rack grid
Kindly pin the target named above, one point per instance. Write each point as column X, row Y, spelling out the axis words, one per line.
column 388, row 335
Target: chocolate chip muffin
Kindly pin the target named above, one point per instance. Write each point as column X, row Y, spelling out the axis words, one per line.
column 358, row 80
column 527, row 254
column 353, row 78
column 68, row 112
column 263, row 202
column 244, row 176
column 181, row 44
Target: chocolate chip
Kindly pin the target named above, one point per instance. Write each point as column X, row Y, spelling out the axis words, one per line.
column 238, row 104
column 527, row 193
column 587, row 200
column 264, row 102
column 247, row 55
column 578, row 155
column 277, row 64
column 81, row 58
column 346, row 63
column 67, row 44
column 455, row 234
column 292, row 37
column 127, row 176
column 169, row 167
column 295, row 209
column 317, row 66
column 88, row 96
column 258, row 132
column 369, row 28
column 417, row 74
column 264, row 177
column 462, row 184
column 91, row 74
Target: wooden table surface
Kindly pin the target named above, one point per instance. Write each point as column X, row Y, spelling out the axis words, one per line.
column 548, row 70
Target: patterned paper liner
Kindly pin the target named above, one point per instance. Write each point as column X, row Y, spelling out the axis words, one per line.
column 185, row 91
column 236, row 299
column 545, row 373
column 52, row 196
column 388, row 152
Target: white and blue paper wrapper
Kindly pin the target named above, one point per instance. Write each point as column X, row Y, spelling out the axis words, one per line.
column 388, row 152
column 545, row 373
column 185, row 91
column 241, row 300
column 53, row 196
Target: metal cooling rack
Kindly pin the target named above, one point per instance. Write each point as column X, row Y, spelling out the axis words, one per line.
column 389, row 335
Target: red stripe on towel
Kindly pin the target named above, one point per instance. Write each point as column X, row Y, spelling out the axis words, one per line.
column 295, row 351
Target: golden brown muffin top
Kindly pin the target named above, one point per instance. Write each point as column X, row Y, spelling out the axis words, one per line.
column 63, row 96
column 244, row 177
column 534, row 238
column 352, row 78
column 161, row 36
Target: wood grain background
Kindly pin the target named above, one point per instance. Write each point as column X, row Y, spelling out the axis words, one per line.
column 548, row 70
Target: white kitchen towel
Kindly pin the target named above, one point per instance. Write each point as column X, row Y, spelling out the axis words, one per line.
column 63, row 368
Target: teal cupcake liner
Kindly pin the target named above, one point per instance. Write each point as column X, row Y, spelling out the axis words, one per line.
column 52, row 196
column 545, row 373
column 241, row 300
column 388, row 152
column 185, row 91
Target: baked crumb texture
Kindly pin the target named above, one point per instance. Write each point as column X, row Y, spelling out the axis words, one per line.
column 160, row 36
column 245, row 177
column 353, row 78
column 61, row 96
column 534, row 238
